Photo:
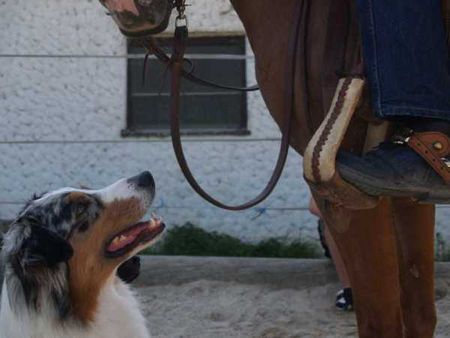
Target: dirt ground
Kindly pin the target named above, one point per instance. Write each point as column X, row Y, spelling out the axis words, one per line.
column 208, row 309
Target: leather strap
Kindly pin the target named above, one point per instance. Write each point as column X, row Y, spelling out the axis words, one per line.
column 152, row 46
column 176, row 67
column 433, row 147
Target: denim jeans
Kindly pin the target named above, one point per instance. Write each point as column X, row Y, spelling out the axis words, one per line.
column 406, row 57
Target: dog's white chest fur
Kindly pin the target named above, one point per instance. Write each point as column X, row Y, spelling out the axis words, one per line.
column 118, row 316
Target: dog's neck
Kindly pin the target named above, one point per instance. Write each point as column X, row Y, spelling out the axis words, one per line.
column 118, row 315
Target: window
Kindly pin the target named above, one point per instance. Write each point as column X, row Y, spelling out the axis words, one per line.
column 204, row 110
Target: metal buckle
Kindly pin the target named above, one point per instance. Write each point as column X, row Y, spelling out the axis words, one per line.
column 181, row 21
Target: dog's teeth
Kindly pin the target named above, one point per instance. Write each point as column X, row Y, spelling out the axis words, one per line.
column 122, row 237
column 156, row 218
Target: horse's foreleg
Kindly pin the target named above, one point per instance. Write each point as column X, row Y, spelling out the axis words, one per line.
column 414, row 225
column 370, row 255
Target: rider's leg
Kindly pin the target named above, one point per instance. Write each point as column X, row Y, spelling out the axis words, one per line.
column 344, row 298
column 407, row 65
column 406, row 58
column 414, row 226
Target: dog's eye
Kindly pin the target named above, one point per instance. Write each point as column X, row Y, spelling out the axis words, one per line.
column 83, row 227
column 80, row 209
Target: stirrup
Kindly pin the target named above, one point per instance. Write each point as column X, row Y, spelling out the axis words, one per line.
column 336, row 198
column 319, row 162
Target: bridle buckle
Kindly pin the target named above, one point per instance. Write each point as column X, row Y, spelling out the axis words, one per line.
column 181, row 21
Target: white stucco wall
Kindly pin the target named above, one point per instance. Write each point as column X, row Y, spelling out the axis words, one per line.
column 63, row 105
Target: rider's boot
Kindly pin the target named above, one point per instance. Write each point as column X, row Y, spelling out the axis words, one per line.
column 395, row 169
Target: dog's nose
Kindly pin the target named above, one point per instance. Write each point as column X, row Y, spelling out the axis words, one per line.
column 143, row 180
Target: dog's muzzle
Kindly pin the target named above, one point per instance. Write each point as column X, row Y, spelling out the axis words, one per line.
column 139, row 18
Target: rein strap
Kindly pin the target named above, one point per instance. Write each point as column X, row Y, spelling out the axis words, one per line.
column 175, row 64
column 151, row 45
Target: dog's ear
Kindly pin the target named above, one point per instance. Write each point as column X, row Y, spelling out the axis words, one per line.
column 44, row 248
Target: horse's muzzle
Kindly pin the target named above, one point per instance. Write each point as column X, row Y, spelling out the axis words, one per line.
column 139, row 18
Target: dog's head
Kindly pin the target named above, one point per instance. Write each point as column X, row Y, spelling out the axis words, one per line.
column 70, row 242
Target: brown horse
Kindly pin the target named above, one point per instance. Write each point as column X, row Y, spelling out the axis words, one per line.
column 388, row 244
column 389, row 249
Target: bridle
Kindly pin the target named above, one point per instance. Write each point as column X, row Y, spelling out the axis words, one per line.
column 175, row 64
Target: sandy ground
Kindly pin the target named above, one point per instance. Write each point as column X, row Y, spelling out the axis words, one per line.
column 207, row 309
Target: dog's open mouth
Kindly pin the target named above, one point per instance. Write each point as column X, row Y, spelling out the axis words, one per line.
column 133, row 236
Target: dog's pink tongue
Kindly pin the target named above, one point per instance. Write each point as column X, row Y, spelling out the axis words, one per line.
column 127, row 238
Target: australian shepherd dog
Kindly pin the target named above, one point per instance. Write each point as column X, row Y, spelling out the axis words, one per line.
column 61, row 256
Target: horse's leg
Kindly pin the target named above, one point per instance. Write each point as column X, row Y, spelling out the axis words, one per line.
column 414, row 224
column 370, row 255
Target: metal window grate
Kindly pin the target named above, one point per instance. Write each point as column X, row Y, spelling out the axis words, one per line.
column 204, row 110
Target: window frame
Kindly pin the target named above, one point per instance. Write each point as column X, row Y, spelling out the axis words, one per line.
column 166, row 42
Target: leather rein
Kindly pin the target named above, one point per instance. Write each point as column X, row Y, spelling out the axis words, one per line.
column 175, row 64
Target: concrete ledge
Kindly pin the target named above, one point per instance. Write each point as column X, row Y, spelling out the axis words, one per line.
column 275, row 273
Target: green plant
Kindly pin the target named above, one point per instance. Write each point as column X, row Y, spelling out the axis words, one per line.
column 189, row 240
